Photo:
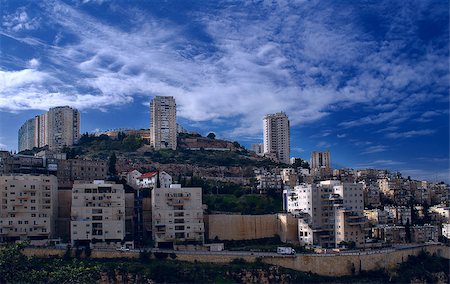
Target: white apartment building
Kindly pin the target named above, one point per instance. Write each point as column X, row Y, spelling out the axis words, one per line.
column 163, row 123
column 277, row 137
column 177, row 216
column 330, row 212
column 29, row 207
column 98, row 213
column 58, row 127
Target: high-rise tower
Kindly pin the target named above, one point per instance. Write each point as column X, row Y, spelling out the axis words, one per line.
column 277, row 136
column 163, row 123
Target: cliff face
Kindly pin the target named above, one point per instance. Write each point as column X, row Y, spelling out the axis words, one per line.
column 263, row 276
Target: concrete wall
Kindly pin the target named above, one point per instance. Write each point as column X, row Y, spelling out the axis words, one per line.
column 288, row 228
column 241, row 227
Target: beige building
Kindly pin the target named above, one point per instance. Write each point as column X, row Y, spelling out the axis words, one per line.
column 163, row 123
column 29, row 207
column 177, row 215
column 98, row 213
column 56, row 128
column 81, row 170
column 277, row 137
column 425, row 233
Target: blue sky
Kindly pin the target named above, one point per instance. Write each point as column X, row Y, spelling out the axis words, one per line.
column 368, row 80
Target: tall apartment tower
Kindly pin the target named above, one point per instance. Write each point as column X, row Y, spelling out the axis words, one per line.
column 163, row 123
column 56, row 128
column 321, row 164
column 277, row 137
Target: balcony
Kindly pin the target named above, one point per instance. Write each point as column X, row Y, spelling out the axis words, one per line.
column 23, row 197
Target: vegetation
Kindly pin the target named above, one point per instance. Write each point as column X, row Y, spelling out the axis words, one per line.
column 204, row 158
column 211, row 135
column 251, row 204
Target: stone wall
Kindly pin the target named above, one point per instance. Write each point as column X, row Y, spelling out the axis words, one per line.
column 241, row 227
column 326, row 265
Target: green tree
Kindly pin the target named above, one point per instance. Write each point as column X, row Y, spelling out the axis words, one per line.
column 13, row 264
column 132, row 143
column 112, row 164
column 211, row 135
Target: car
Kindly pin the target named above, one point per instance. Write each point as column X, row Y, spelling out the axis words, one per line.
column 122, row 249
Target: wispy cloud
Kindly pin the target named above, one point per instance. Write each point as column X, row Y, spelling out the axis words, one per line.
column 257, row 60
column 412, row 133
column 374, row 149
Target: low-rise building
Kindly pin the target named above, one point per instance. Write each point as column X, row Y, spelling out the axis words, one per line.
column 400, row 215
column 389, row 233
column 376, row 216
column 80, row 170
column 440, row 213
column 98, row 213
column 425, row 233
column 29, row 206
column 177, row 215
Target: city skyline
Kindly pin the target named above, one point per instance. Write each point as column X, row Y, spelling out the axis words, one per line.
column 369, row 82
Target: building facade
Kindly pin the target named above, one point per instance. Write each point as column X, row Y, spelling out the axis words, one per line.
column 177, row 216
column 277, row 137
column 330, row 213
column 321, row 164
column 163, row 123
column 29, row 206
column 56, row 128
column 98, row 213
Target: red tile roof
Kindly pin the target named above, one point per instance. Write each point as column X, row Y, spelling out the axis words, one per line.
column 148, row 175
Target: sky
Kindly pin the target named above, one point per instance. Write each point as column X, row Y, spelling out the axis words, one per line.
column 366, row 80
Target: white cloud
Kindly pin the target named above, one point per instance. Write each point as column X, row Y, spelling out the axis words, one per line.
column 20, row 21
column 280, row 58
column 409, row 134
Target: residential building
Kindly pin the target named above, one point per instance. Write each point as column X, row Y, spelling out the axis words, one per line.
column 80, row 170
column 389, row 233
column 163, row 124
column 401, row 215
column 321, row 164
column 26, row 135
column 26, row 164
column 56, row 128
column 98, row 213
column 258, row 149
column 268, row 180
column 289, row 177
column 132, row 178
column 277, row 137
column 147, row 180
column 376, row 216
column 329, row 212
column 425, row 233
column 371, row 194
column 177, row 215
column 440, row 213
column 29, row 207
